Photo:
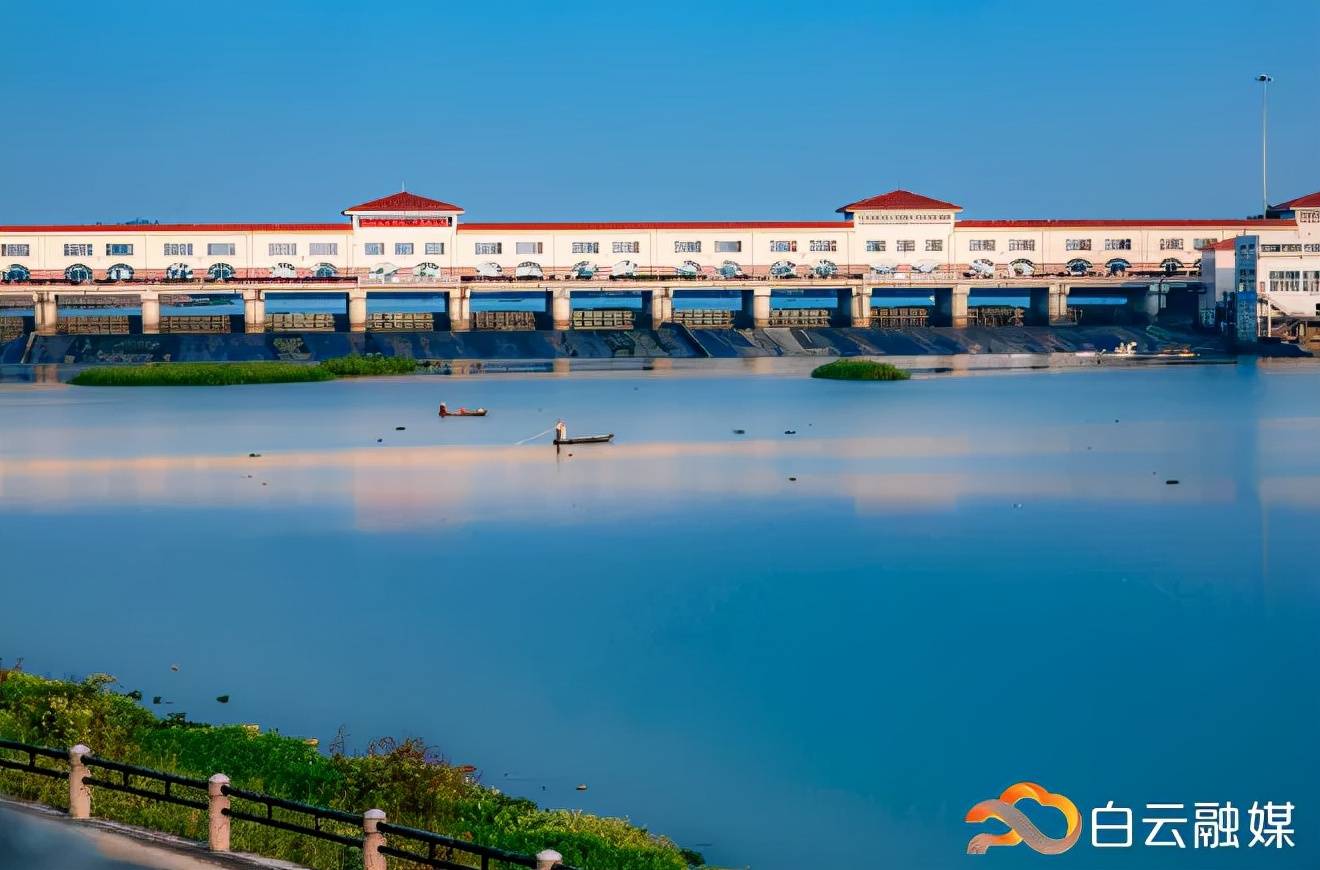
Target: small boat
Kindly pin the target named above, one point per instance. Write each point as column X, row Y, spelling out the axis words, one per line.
column 586, row 439
column 461, row 412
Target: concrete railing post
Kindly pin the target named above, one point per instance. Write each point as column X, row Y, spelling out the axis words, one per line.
column 547, row 859
column 372, row 840
column 218, row 833
column 80, row 796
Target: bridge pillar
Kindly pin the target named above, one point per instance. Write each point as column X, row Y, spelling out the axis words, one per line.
column 458, row 305
column 661, row 305
column 951, row 305
column 1144, row 305
column 861, row 306
column 756, row 308
column 561, row 308
column 357, row 310
column 46, row 312
column 254, row 310
column 150, row 313
column 1049, row 305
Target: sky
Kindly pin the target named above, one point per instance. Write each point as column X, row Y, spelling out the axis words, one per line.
column 292, row 110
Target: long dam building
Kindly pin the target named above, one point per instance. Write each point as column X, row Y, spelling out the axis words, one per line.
column 898, row 239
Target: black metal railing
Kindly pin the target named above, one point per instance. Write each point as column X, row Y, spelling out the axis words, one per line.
column 443, row 852
column 420, row 847
column 33, row 753
column 317, row 814
column 128, row 772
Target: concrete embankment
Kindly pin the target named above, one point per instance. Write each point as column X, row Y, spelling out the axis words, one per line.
column 667, row 342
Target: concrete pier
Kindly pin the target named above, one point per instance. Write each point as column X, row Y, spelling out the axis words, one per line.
column 357, row 310
column 254, row 310
column 150, row 313
column 660, row 303
column 951, row 305
column 755, row 308
column 560, row 305
column 458, row 306
column 46, row 312
column 1049, row 305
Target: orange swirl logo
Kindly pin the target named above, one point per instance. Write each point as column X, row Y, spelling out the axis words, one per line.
column 1021, row 829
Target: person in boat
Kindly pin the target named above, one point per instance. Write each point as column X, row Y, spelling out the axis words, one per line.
column 561, row 430
column 461, row 412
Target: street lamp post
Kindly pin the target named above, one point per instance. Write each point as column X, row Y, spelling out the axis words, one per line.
column 1264, row 80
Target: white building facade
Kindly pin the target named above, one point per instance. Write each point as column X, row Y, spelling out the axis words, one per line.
column 897, row 236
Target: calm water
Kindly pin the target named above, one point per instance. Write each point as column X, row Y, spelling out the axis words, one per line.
column 973, row 580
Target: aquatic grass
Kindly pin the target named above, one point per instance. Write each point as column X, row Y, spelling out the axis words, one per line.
column 860, row 370
column 410, row 782
column 223, row 374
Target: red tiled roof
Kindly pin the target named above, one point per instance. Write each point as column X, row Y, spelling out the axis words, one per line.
column 404, row 201
column 128, row 229
column 1176, row 222
column 898, row 199
column 660, row 225
column 1226, row 245
column 1311, row 200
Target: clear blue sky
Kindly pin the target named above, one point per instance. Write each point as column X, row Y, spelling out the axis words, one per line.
column 294, row 110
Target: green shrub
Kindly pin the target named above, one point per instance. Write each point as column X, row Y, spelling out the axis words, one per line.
column 402, row 778
column 357, row 365
column 221, row 374
column 860, row 370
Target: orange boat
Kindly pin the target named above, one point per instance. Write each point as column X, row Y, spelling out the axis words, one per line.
column 461, row 412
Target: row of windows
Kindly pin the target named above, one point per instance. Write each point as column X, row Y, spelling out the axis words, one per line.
column 401, row 249
column 1294, row 281
column 875, row 246
column 227, row 249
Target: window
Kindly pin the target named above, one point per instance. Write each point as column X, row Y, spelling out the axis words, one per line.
column 374, row 249
column 14, row 250
column 529, row 247
column 874, row 246
column 981, row 245
column 220, row 249
column 1308, row 217
column 1077, row 245
column 1171, row 244
column 905, row 245
column 177, row 249
column 489, row 248
column 1201, row 244
column 1118, row 244
column 1022, row 244
column 783, row 247
column 403, row 249
column 1285, row 282
column 77, row 250
column 324, row 249
column 118, row 249
column 824, row 245
column 282, row 249
column 439, row 248
column 1311, row 282
column 937, row 244
column 728, row 247
column 687, row 247
column 586, row 247
column 627, row 247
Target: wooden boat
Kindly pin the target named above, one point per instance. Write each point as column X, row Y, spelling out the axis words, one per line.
column 461, row 412
column 586, row 439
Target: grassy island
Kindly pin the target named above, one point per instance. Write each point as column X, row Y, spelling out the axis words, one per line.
column 404, row 778
column 860, row 370
column 221, row 374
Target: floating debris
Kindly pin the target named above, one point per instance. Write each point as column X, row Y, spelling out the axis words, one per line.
column 155, row 699
column 792, row 479
column 790, row 431
column 739, row 431
column 136, row 694
column 469, row 768
column 400, row 428
column 223, row 699
column 379, row 440
column 1170, row 483
column 582, row 786
column 254, row 456
column 174, row 668
column 1017, row 504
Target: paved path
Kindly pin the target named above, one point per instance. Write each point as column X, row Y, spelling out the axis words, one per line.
column 38, row 838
